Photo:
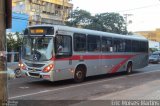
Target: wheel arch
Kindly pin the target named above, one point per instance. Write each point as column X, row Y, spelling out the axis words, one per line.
column 82, row 65
column 129, row 62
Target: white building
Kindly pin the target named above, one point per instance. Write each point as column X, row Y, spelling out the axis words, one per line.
column 154, row 44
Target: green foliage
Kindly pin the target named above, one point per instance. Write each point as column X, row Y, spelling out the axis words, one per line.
column 107, row 22
column 79, row 17
column 14, row 41
column 151, row 50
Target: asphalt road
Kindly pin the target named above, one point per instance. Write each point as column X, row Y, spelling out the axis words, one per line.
column 70, row 92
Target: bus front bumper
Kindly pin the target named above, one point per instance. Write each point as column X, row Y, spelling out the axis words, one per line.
column 36, row 74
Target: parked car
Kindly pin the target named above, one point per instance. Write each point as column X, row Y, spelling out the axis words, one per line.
column 156, row 52
column 154, row 58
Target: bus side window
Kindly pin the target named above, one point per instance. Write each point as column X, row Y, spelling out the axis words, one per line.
column 128, row 47
column 63, row 45
column 135, row 46
column 118, row 45
column 94, row 43
column 107, row 44
column 80, row 42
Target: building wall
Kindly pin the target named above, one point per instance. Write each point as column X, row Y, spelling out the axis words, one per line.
column 44, row 11
column 151, row 35
column 19, row 22
column 153, row 44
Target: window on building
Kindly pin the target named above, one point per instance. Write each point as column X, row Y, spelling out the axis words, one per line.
column 79, row 42
column 93, row 43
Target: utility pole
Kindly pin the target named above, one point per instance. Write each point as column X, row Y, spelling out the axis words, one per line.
column 5, row 22
column 63, row 13
column 126, row 19
column 3, row 74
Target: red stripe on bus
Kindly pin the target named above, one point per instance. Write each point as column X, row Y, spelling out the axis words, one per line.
column 118, row 66
column 92, row 57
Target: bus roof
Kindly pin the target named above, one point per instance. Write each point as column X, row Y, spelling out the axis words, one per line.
column 92, row 32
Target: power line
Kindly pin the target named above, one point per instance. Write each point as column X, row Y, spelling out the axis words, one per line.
column 132, row 9
column 148, row 6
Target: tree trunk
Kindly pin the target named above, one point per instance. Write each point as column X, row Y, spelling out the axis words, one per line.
column 12, row 55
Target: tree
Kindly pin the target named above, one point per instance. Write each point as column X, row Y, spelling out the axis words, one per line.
column 79, row 18
column 10, row 42
column 14, row 41
column 19, row 41
column 108, row 22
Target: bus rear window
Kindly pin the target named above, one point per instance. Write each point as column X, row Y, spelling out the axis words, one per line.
column 39, row 31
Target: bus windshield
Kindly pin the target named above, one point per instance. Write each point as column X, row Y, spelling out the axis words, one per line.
column 37, row 48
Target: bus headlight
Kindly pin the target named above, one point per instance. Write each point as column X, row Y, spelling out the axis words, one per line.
column 48, row 68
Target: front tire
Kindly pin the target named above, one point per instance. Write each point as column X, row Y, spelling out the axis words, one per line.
column 79, row 75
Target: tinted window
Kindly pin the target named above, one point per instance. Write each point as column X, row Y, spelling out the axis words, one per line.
column 146, row 47
column 79, row 42
column 136, row 46
column 106, row 44
column 118, row 45
column 93, row 43
column 128, row 45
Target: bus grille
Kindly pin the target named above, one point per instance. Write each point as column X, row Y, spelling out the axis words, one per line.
column 31, row 69
column 34, row 74
column 34, row 65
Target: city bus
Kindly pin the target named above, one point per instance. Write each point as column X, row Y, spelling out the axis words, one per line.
column 55, row 52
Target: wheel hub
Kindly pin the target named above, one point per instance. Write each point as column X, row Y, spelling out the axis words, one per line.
column 79, row 74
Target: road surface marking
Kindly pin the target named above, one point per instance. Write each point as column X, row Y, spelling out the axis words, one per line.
column 24, row 87
column 73, row 86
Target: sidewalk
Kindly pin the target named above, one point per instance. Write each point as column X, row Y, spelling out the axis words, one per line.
column 149, row 91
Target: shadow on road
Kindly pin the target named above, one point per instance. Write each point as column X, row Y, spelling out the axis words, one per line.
column 71, row 81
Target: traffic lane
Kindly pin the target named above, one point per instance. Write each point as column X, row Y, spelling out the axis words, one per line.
column 150, row 67
column 36, row 85
column 94, row 86
column 93, row 89
column 24, row 80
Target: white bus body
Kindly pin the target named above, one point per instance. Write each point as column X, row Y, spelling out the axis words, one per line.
column 73, row 53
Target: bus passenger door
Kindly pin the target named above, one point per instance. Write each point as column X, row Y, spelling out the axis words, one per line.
column 107, row 49
column 63, row 52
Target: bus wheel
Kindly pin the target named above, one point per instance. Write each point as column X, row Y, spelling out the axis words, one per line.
column 129, row 68
column 79, row 75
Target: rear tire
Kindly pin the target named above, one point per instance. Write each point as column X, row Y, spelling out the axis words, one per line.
column 129, row 68
column 79, row 75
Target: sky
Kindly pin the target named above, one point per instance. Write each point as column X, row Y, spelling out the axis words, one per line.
column 145, row 13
